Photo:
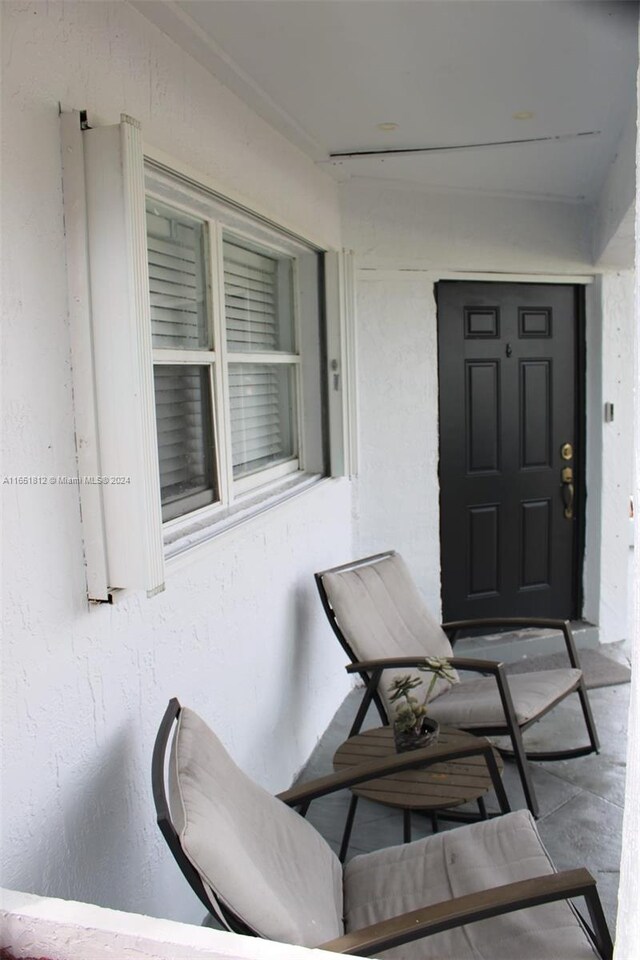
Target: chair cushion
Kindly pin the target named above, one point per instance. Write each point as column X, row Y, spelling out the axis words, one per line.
column 262, row 859
column 389, row 882
column 381, row 614
column 476, row 703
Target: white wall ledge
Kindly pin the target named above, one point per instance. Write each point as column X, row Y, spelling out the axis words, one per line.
column 183, row 535
column 69, row 930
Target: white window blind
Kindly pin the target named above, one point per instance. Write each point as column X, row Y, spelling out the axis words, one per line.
column 262, row 411
column 176, row 251
column 262, row 395
column 176, row 279
column 250, row 299
column 185, row 441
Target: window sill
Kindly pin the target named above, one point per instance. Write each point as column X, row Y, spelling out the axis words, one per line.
column 178, row 540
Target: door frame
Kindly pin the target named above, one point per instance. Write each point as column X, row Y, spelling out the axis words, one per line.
column 580, row 283
column 581, row 440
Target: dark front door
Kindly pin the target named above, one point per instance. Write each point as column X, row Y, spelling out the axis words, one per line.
column 509, row 457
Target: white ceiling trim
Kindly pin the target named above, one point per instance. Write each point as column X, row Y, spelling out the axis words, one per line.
column 416, row 186
column 377, row 274
column 456, row 147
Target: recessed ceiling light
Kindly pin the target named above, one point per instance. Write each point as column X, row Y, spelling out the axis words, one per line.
column 387, row 127
column 523, row 115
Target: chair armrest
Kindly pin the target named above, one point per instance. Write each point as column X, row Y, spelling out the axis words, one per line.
column 371, row 672
column 374, row 669
column 493, row 902
column 395, row 663
column 454, row 626
column 304, row 793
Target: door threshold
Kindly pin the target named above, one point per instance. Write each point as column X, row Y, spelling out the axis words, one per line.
column 512, row 645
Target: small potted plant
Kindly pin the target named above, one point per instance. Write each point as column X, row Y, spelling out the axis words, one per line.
column 412, row 728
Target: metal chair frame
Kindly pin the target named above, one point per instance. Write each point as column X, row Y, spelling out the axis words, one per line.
column 227, row 918
column 371, row 670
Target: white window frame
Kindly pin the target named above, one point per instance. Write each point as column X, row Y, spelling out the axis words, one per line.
column 223, row 222
column 296, row 462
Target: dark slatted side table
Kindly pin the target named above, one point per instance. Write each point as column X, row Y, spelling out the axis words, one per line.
column 446, row 782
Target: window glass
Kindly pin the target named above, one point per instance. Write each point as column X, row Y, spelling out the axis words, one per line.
column 185, row 438
column 262, row 407
column 176, row 251
column 257, row 299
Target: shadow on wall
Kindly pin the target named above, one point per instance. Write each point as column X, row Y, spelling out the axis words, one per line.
column 296, row 670
column 90, row 839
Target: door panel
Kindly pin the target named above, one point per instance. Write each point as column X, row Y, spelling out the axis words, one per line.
column 508, row 404
column 484, row 540
column 536, row 544
column 535, row 414
column 482, row 398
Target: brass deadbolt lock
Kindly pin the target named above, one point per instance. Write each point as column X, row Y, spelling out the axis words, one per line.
column 566, row 451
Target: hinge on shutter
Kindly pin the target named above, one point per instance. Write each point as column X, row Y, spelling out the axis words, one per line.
column 97, row 601
column 84, row 123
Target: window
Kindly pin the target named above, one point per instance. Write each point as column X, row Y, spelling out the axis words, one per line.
column 235, row 325
column 199, row 332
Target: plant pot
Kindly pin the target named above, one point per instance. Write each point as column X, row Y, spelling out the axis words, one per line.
column 414, row 741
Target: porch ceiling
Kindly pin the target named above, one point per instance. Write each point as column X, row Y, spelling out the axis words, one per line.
column 447, row 72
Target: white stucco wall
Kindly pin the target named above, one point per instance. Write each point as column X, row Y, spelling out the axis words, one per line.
column 405, row 227
column 628, row 921
column 616, row 197
column 610, row 379
column 404, row 241
column 239, row 633
column 617, row 462
column 68, row 930
column 396, row 503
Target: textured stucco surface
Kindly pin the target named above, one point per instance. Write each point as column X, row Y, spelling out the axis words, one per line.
column 408, row 228
column 68, row 930
column 617, row 464
column 397, row 489
column 616, row 197
column 628, row 931
column 239, row 633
